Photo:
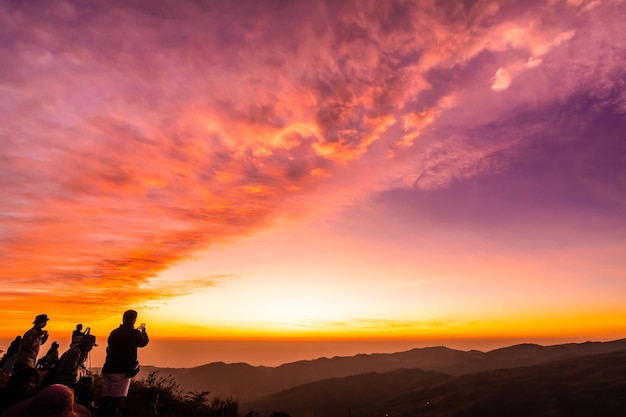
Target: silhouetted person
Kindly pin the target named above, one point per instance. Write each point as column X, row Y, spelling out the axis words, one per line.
column 31, row 341
column 20, row 386
column 78, row 331
column 121, row 363
column 51, row 357
column 52, row 401
column 11, row 355
column 71, row 371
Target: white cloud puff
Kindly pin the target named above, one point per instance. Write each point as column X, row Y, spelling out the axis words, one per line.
column 502, row 80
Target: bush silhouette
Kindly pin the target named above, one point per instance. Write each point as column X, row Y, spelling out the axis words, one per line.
column 162, row 397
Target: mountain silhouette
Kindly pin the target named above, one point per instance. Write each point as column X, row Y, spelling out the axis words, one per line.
column 243, row 381
column 590, row 385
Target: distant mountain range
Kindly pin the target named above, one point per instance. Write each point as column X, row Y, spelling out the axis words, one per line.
column 374, row 379
column 582, row 386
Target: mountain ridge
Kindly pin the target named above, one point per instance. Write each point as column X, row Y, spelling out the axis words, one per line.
column 578, row 386
column 244, row 381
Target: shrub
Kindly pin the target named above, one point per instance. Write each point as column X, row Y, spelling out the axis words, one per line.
column 162, row 396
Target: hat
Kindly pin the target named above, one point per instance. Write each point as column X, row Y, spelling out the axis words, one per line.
column 40, row 318
column 54, row 400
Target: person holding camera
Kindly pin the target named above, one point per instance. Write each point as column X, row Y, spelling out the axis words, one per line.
column 121, row 363
column 71, row 371
column 31, row 341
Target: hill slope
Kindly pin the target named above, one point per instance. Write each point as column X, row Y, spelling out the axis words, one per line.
column 244, row 381
column 593, row 385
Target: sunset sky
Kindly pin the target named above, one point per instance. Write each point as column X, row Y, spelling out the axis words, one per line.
column 411, row 172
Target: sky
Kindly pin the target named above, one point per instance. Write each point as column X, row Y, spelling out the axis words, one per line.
column 363, row 173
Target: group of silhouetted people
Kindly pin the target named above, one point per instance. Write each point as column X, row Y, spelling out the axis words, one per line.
column 62, row 386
